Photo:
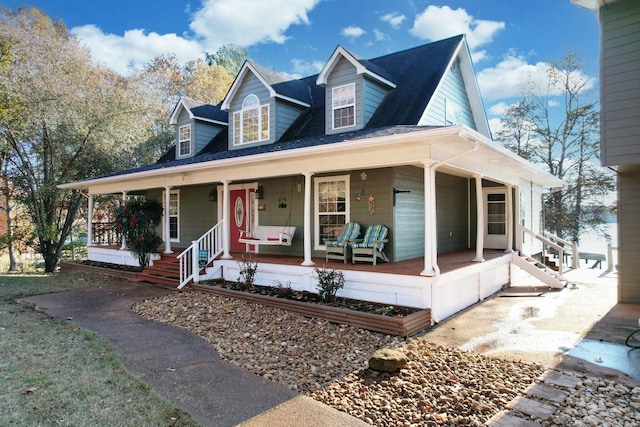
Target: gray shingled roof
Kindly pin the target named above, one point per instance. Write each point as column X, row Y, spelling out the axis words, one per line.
column 416, row 73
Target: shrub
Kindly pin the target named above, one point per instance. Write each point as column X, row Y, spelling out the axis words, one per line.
column 248, row 270
column 137, row 221
column 329, row 283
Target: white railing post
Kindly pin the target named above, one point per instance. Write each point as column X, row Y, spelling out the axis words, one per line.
column 610, row 249
column 575, row 256
column 195, row 261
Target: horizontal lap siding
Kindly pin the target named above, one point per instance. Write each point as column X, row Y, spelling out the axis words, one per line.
column 292, row 215
column 452, row 209
column 409, row 213
column 620, row 99
column 373, row 96
column 197, row 213
column 629, row 234
column 251, row 85
column 452, row 89
column 342, row 74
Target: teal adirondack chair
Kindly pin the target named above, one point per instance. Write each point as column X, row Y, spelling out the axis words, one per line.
column 371, row 246
column 339, row 248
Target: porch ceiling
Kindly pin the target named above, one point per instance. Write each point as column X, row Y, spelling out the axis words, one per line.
column 413, row 148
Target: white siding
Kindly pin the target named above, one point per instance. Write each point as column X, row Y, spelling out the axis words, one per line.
column 620, row 96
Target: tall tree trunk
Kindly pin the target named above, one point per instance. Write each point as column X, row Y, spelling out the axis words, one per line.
column 13, row 265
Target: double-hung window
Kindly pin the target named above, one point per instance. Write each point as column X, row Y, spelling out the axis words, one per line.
column 251, row 123
column 332, row 207
column 343, row 101
column 174, row 215
column 184, row 141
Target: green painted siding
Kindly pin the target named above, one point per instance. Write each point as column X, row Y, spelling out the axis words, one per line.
column 409, row 213
column 292, row 215
column 452, row 200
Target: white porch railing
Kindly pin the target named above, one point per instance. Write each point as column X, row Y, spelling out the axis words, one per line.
column 211, row 242
column 610, row 249
column 563, row 247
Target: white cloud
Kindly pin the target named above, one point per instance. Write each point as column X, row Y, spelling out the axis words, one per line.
column 353, row 32
column 498, row 109
column 303, row 68
column 134, row 48
column 248, row 22
column 379, row 35
column 395, row 19
column 216, row 23
column 436, row 23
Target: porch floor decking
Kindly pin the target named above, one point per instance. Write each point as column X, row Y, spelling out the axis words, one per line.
column 413, row 267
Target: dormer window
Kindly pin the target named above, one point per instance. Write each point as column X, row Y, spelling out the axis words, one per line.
column 251, row 123
column 343, row 101
column 184, row 141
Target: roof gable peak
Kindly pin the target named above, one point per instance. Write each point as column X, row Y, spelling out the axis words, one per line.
column 361, row 66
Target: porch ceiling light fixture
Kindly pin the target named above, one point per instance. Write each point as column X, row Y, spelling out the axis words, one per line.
column 259, row 193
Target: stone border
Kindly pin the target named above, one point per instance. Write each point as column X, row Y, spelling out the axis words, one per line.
column 400, row 326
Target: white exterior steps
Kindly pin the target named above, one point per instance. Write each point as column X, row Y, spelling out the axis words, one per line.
column 540, row 271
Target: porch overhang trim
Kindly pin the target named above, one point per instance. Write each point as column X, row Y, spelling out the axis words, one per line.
column 432, row 136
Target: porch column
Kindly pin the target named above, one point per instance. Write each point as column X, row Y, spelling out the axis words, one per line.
column 226, row 240
column 167, row 228
column 509, row 219
column 480, row 220
column 430, row 234
column 307, row 219
column 90, row 221
column 124, row 242
column 516, row 219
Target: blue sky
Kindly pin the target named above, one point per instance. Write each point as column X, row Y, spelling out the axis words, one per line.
column 509, row 39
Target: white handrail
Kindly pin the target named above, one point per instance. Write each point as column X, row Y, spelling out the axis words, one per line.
column 552, row 244
column 189, row 259
column 575, row 256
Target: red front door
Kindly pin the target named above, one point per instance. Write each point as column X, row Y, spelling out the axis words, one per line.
column 240, row 217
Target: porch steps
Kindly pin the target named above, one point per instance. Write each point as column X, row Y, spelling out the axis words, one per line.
column 540, row 271
column 165, row 272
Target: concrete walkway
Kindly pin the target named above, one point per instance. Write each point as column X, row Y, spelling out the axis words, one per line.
column 528, row 322
column 181, row 366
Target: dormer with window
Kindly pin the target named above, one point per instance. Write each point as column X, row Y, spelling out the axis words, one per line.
column 251, row 122
column 262, row 105
column 196, row 124
column 354, row 89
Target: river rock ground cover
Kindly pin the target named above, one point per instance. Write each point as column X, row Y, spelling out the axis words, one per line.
column 329, row 362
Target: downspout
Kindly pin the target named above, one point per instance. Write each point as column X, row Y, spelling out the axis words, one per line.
column 432, row 183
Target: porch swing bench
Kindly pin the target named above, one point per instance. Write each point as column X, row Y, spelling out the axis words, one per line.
column 268, row 235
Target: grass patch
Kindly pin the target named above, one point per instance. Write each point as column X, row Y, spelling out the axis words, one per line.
column 53, row 373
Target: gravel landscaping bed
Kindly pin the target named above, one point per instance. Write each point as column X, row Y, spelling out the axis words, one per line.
column 329, row 362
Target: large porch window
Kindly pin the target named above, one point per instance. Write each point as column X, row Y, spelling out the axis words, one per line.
column 332, row 207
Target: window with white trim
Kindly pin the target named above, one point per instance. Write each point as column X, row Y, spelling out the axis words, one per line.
column 251, row 123
column 331, row 207
column 184, row 141
column 174, row 215
column 343, row 102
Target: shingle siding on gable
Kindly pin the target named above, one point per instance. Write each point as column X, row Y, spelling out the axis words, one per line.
column 251, row 85
column 373, row 94
column 453, row 90
column 343, row 73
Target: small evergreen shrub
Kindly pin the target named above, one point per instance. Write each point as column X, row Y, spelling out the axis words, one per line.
column 329, row 283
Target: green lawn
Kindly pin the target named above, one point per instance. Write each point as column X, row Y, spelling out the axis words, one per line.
column 53, row 373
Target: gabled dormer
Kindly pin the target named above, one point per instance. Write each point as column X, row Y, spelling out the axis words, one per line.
column 196, row 124
column 354, row 88
column 262, row 104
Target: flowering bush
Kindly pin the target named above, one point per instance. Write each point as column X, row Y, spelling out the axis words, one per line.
column 137, row 222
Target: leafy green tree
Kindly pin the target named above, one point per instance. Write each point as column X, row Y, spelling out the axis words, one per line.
column 137, row 221
column 556, row 124
column 229, row 56
column 63, row 119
